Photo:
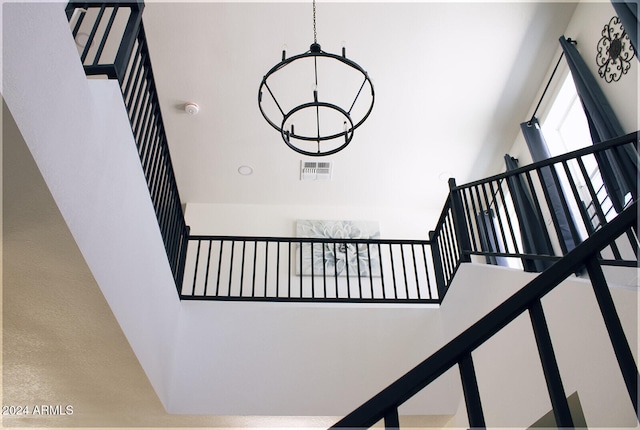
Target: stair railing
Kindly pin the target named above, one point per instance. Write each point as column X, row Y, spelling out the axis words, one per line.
column 112, row 43
column 384, row 406
column 531, row 216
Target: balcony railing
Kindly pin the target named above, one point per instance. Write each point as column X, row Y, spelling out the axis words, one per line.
column 528, row 217
column 112, row 43
column 309, row 269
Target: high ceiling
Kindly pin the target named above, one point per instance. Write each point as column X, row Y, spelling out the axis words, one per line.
column 452, row 80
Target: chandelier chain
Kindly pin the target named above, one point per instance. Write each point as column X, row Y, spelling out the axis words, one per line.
column 315, row 33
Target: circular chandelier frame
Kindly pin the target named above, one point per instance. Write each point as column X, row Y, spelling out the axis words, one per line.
column 289, row 136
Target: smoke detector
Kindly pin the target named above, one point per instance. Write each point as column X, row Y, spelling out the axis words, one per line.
column 191, row 108
column 315, row 170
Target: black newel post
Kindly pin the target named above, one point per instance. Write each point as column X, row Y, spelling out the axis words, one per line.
column 457, row 211
column 437, row 264
column 128, row 40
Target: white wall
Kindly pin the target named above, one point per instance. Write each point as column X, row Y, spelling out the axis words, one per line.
column 278, row 220
column 79, row 135
column 284, row 359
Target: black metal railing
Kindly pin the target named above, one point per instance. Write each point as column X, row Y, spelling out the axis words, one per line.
column 566, row 197
column 309, row 269
column 533, row 215
column 384, row 406
column 112, row 43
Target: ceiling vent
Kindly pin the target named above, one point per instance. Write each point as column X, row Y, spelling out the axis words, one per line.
column 315, row 170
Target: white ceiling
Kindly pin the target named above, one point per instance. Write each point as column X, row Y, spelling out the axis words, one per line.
column 452, row 80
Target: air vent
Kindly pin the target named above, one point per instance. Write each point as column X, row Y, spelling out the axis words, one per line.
column 315, row 170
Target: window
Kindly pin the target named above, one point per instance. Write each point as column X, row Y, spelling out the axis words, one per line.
column 566, row 129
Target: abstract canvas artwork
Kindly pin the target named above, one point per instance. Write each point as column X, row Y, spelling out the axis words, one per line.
column 338, row 259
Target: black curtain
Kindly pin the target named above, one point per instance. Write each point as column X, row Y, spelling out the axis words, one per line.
column 627, row 11
column 539, row 152
column 603, row 125
column 535, row 239
column 490, row 241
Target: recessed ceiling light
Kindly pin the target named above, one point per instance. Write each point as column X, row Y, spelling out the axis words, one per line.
column 245, row 170
column 82, row 39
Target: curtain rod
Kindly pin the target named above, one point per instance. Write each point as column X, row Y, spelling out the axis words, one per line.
column 549, row 83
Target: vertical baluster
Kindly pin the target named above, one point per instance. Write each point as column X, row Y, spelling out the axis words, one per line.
column 470, row 220
column 384, row 293
column 219, row 268
column 134, row 77
column 494, row 194
column 576, row 195
column 324, row 269
column 346, row 266
column 565, row 207
column 391, row 419
column 616, row 332
column 536, row 204
column 206, row 276
column 370, row 271
column 426, row 269
column 195, row 271
column 415, row 270
column 92, row 34
column 253, row 273
column 301, row 243
column 483, row 220
column 233, row 245
column 335, row 267
column 289, row 258
column 444, row 251
column 76, row 28
column 278, row 269
column 404, row 271
column 509, row 223
column 554, row 217
column 471, row 393
column 550, row 366
column 132, row 32
column 357, row 248
column 266, row 267
column 393, row 273
column 244, row 246
column 105, row 36
column 313, row 275
column 453, row 252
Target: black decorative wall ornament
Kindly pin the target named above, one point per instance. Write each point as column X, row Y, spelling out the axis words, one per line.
column 614, row 51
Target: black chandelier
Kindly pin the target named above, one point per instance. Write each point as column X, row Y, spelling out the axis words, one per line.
column 316, row 117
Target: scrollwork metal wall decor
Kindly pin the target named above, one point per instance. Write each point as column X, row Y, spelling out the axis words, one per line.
column 614, row 51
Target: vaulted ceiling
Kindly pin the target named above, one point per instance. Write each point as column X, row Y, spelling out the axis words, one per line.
column 452, row 81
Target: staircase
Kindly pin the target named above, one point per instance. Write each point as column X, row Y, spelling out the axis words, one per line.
column 459, row 352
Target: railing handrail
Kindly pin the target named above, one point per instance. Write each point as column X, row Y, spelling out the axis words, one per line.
column 310, row 239
column 618, row 141
column 452, row 353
